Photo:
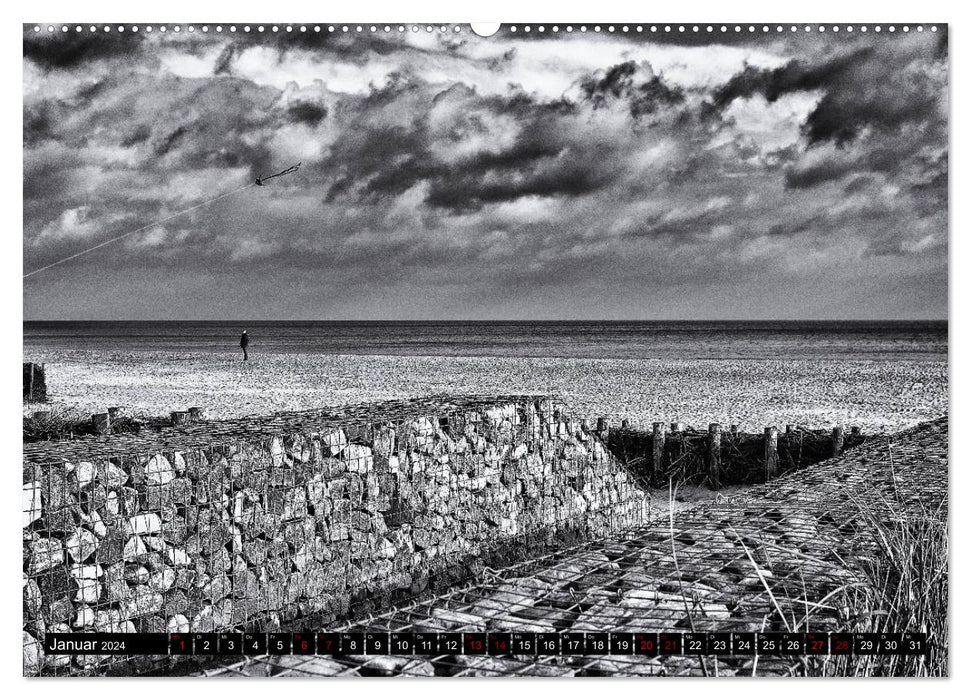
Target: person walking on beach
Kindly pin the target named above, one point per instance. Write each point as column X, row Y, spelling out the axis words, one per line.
column 243, row 342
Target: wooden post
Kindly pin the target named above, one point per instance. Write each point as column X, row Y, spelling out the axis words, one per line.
column 35, row 382
column 771, row 453
column 179, row 417
column 625, row 424
column 837, row 441
column 714, row 455
column 101, row 423
column 658, row 447
column 585, row 425
column 677, row 427
column 733, row 429
column 197, row 413
column 788, row 430
column 602, row 425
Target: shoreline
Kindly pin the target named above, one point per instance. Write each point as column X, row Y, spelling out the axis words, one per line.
column 877, row 396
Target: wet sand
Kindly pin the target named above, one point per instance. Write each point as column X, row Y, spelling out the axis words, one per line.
column 875, row 395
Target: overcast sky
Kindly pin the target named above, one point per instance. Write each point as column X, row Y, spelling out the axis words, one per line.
column 450, row 176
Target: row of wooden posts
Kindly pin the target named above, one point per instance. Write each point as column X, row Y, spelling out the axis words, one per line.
column 713, row 454
column 101, row 422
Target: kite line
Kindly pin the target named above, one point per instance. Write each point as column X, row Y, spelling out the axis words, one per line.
column 138, row 230
column 258, row 183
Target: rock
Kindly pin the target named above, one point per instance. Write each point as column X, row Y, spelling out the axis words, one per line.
column 115, row 477
column 385, row 549
column 384, row 442
column 107, row 620
column 32, row 502
column 81, row 544
column 89, row 571
column 152, row 624
column 33, row 656
column 116, row 587
column 222, row 613
column 334, row 442
column 32, row 596
column 339, row 532
column 144, row 601
column 84, row 474
column 288, row 503
column 254, row 551
column 113, row 503
column 136, row 574
column 61, row 610
column 217, row 588
column 129, row 501
column 177, row 491
column 145, row 523
column 177, row 556
column 134, row 548
column 85, row 617
column 45, row 554
column 175, row 602
column 95, row 524
column 175, row 530
column 112, row 545
column 220, row 561
column 177, row 623
column 158, row 471
column 203, row 621
column 89, row 591
column 155, row 544
column 163, row 580
column 359, row 458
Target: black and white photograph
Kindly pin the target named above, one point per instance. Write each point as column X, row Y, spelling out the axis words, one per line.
column 450, row 350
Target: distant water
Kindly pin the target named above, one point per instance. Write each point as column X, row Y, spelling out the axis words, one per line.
column 910, row 340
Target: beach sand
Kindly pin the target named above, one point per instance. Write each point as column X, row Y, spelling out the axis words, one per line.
column 875, row 395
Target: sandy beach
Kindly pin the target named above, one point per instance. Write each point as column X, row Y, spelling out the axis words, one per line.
column 875, row 395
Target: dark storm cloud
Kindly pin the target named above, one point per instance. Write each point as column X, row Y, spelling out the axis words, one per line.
column 645, row 94
column 139, row 134
column 930, row 188
column 839, row 165
column 797, row 75
column 168, row 142
column 57, row 50
column 862, row 88
column 384, row 159
column 38, row 123
column 307, row 113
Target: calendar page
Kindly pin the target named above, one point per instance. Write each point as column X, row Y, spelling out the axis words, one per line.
column 447, row 350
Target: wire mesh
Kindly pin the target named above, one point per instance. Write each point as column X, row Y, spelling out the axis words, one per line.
column 785, row 557
column 311, row 516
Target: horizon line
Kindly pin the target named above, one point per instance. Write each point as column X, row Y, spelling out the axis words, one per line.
column 491, row 320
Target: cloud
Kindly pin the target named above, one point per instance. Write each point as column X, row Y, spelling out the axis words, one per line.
column 620, row 166
column 644, row 91
column 66, row 50
column 878, row 87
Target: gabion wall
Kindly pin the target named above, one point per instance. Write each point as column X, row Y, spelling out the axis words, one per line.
column 293, row 530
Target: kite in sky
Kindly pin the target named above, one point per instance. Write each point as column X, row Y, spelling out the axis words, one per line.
column 291, row 169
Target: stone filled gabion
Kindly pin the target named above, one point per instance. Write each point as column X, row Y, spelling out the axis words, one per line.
column 265, row 530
